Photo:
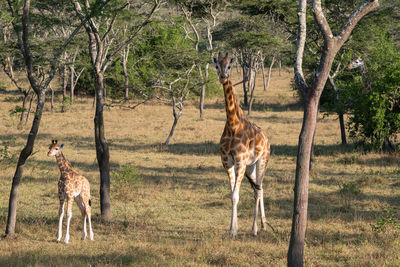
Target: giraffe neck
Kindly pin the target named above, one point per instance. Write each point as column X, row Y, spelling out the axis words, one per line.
column 234, row 114
column 63, row 164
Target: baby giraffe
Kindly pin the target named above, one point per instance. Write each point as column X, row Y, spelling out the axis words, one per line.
column 71, row 186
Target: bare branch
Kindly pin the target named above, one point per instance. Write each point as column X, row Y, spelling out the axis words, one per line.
column 362, row 10
column 301, row 40
column 321, row 21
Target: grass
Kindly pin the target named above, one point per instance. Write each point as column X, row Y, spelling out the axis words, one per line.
column 171, row 206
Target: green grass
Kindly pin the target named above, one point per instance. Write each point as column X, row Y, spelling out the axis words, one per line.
column 171, row 206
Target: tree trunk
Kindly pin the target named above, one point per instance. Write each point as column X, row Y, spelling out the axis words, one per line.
column 280, row 67
column 72, row 88
column 52, row 99
column 244, row 86
column 30, row 108
column 253, row 75
column 25, row 153
column 102, row 152
column 24, row 111
column 270, row 70
column 64, row 83
column 299, row 222
column 126, row 77
column 203, row 90
column 176, row 118
column 342, row 129
column 263, row 75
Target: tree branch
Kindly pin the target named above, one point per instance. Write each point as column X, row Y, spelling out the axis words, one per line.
column 301, row 40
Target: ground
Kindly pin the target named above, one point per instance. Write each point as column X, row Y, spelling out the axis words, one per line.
column 171, row 206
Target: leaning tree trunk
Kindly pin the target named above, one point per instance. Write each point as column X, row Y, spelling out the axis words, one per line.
column 102, row 152
column 176, row 118
column 25, row 153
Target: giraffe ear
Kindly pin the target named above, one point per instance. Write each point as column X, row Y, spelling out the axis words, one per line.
column 214, row 60
column 61, row 146
column 232, row 60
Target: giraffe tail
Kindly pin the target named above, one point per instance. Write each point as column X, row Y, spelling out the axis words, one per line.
column 252, row 183
column 90, row 202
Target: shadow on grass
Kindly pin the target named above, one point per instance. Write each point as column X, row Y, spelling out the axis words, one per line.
column 37, row 258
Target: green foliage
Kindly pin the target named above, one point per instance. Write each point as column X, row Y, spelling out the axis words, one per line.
column 348, row 193
column 391, row 218
column 127, row 175
column 16, row 110
column 375, row 115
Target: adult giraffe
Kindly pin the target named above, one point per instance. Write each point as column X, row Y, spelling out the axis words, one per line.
column 244, row 148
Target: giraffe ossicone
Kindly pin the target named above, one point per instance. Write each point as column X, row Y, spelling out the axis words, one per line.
column 71, row 186
column 244, row 148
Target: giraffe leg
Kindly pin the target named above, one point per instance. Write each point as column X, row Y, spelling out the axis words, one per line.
column 251, row 175
column 81, row 205
column 235, row 198
column 61, row 216
column 88, row 212
column 260, row 172
column 69, row 215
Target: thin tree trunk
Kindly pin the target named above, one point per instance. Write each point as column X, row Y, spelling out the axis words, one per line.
column 64, row 83
column 24, row 111
column 244, row 86
column 176, row 118
column 52, row 98
column 280, row 67
column 263, row 75
column 25, row 153
column 203, row 90
column 342, row 129
column 253, row 75
column 30, row 108
column 270, row 71
column 102, row 151
column 72, row 87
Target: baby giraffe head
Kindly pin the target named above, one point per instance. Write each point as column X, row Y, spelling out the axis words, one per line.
column 54, row 148
column 357, row 63
column 223, row 66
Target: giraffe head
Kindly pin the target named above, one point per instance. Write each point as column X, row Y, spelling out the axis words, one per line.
column 357, row 63
column 54, row 148
column 223, row 66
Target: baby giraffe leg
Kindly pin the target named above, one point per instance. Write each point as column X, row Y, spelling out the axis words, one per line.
column 60, row 222
column 69, row 215
column 88, row 212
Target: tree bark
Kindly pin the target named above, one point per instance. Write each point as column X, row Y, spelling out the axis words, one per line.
column 342, row 129
column 64, row 82
column 102, row 151
column 176, row 118
column 72, row 83
column 269, row 71
column 245, row 101
column 311, row 95
column 203, row 90
column 263, row 74
column 253, row 75
column 25, row 153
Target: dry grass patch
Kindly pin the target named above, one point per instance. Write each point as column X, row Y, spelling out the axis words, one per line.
column 171, row 206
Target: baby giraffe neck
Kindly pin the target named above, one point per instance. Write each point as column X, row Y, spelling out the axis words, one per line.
column 63, row 164
column 234, row 113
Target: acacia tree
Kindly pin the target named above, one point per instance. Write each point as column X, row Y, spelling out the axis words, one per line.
column 311, row 95
column 39, row 82
column 103, row 49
